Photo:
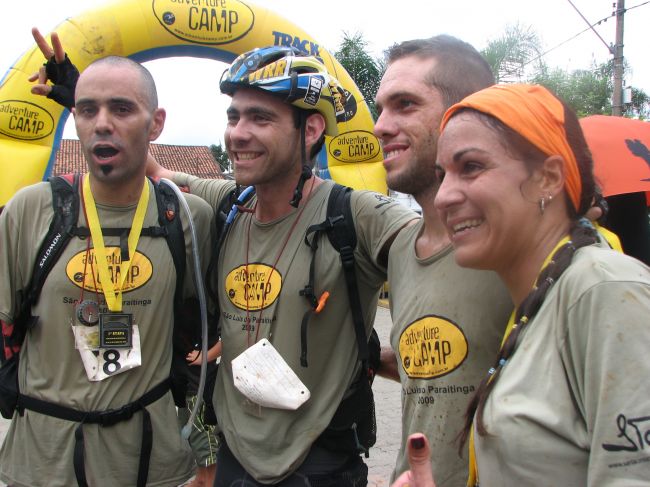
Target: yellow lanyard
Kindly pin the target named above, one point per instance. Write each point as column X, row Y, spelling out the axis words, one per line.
column 611, row 238
column 113, row 292
column 472, row 479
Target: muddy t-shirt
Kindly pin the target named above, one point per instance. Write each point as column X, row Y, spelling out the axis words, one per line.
column 447, row 326
column 38, row 449
column 571, row 405
column 262, row 269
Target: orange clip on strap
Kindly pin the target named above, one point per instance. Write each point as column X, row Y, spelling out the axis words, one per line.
column 322, row 301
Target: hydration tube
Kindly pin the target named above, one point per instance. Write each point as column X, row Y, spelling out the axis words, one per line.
column 198, row 280
column 241, row 199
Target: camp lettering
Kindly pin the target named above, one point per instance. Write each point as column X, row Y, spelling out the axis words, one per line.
column 26, row 125
column 83, row 270
column 432, row 346
column 115, row 272
column 253, row 286
column 433, row 353
column 114, row 262
column 257, row 291
column 361, row 150
column 212, row 16
column 23, row 120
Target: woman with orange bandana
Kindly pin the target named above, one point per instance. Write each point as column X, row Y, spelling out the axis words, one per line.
column 566, row 402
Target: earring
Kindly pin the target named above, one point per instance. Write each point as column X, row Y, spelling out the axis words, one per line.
column 542, row 202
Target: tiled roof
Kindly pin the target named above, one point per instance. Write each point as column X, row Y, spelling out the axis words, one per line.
column 192, row 159
column 69, row 158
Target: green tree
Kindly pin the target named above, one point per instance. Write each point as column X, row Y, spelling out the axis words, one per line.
column 510, row 54
column 587, row 91
column 362, row 68
column 516, row 57
column 221, row 156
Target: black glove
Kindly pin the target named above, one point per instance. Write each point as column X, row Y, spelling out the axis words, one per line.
column 64, row 77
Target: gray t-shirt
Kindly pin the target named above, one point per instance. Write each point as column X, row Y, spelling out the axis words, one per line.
column 448, row 322
column 272, row 443
column 38, row 449
column 571, row 405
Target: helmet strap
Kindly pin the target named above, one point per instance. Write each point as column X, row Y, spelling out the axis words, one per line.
column 306, row 166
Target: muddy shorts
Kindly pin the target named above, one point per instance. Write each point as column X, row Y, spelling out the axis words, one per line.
column 203, row 438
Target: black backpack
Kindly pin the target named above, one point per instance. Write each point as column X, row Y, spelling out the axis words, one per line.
column 353, row 427
column 65, row 201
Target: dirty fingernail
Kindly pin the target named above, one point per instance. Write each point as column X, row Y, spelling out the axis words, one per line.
column 418, row 442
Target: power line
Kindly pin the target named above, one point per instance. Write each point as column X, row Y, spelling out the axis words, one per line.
column 636, row 6
column 604, row 19
column 570, row 39
column 611, row 51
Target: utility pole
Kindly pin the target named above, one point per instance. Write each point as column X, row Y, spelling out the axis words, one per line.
column 617, row 96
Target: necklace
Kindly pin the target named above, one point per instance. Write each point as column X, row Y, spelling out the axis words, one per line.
column 273, row 267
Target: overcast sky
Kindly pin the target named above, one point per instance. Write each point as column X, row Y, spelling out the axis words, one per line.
column 188, row 86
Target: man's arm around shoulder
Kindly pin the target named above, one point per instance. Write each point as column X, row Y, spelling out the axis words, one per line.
column 388, row 364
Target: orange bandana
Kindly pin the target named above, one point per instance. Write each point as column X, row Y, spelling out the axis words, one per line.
column 535, row 114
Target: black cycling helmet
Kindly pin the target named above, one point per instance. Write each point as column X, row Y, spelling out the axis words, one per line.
column 298, row 79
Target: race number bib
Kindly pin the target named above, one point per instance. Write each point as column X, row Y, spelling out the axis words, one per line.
column 102, row 363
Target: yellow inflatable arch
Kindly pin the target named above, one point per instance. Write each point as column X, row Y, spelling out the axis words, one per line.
column 31, row 126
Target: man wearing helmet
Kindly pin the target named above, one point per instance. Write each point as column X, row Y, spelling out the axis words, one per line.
column 283, row 103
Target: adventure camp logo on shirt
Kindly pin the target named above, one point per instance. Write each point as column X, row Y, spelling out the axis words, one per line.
column 253, row 287
column 432, row 347
column 83, row 271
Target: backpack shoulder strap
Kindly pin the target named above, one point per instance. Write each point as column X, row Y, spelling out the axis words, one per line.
column 170, row 221
column 65, row 204
column 340, row 230
column 353, row 425
column 343, row 237
column 171, row 227
column 221, row 217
